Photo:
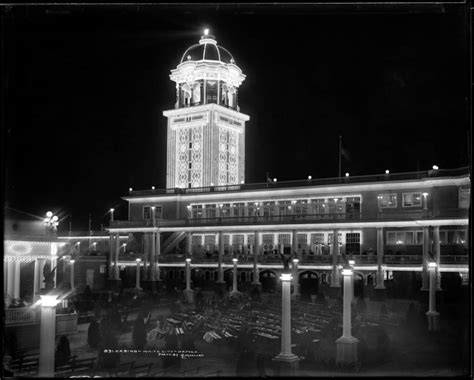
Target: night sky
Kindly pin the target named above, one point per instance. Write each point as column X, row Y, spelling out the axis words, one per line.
column 85, row 88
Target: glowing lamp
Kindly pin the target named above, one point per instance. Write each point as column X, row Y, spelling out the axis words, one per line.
column 347, row 174
column 346, row 272
column 296, row 261
column 387, row 171
column 432, row 265
column 351, row 262
column 138, row 260
column 285, row 277
column 130, row 189
column 49, row 301
column 435, row 167
column 425, row 194
column 335, row 199
column 234, row 260
column 242, row 182
column 212, row 184
column 55, row 218
column 206, row 32
column 153, row 187
column 49, row 214
column 72, row 261
column 339, row 267
column 152, row 207
column 309, row 177
column 188, row 260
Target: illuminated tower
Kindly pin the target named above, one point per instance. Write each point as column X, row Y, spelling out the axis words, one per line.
column 206, row 130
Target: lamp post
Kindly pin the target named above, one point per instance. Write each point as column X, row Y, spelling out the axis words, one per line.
column 347, row 344
column 112, row 214
column 51, row 222
column 72, row 274
column 234, row 291
column 286, row 355
column 137, row 285
column 189, row 293
column 296, row 285
column 48, row 305
column 432, row 314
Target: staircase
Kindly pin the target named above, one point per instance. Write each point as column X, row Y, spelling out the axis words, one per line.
column 172, row 241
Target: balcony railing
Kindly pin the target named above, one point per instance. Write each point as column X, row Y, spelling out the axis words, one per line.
column 457, row 259
column 403, row 259
column 283, row 219
column 21, row 316
column 313, row 182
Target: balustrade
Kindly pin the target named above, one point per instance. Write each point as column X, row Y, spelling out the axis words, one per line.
column 20, row 316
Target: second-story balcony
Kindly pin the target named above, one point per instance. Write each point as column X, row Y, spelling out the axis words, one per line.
column 289, row 219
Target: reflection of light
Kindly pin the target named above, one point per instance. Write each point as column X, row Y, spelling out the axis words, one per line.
column 346, row 272
column 399, row 242
column 49, row 301
column 285, row 277
column 235, row 260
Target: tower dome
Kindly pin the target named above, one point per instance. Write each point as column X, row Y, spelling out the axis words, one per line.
column 207, row 50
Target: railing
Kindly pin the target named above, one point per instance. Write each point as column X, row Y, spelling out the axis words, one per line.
column 282, row 219
column 21, row 316
column 454, row 259
column 403, row 259
column 313, row 182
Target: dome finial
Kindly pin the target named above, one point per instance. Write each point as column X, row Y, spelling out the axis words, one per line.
column 206, row 32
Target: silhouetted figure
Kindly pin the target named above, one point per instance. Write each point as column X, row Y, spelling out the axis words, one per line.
column 93, row 334
column 286, row 261
column 63, row 351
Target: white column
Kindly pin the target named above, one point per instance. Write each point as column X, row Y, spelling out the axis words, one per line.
column 380, row 252
column 153, row 258
column 188, row 292
column 437, row 256
column 234, row 278
column 111, row 256
column 189, row 242
column 296, row 285
column 426, row 249
column 47, row 336
column 16, row 283
column 294, row 242
column 335, row 282
column 286, row 354
column 347, row 345
column 188, row 274
column 54, row 263
column 157, row 255
column 256, row 279
column 72, row 274
column 5, row 276
column 137, row 277
column 432, row 314
column 116, row 260
column 220, row 278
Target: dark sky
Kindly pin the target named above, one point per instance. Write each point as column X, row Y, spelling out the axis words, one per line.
column 86, row 86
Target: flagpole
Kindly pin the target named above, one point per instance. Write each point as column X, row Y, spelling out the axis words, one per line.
column 340, row 152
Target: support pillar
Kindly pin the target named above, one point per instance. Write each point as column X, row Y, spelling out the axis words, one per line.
column 110, row 261
column 54, row 263
column 188, row 292
column 437, row 256
column 16, row 281
column 116, row 258
column 137, row 276
column 294, row 243
column 235, row 291
column 189, row 244
column 432, row 314
column 72, row 275
column 256, row 245
column 286, row 355
column 335, row 279
column 47, row 336
column 347, row 345
column 426, row 256
column 379, row 289
column 157, row 256
column 296, row 285
column 220, row 273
